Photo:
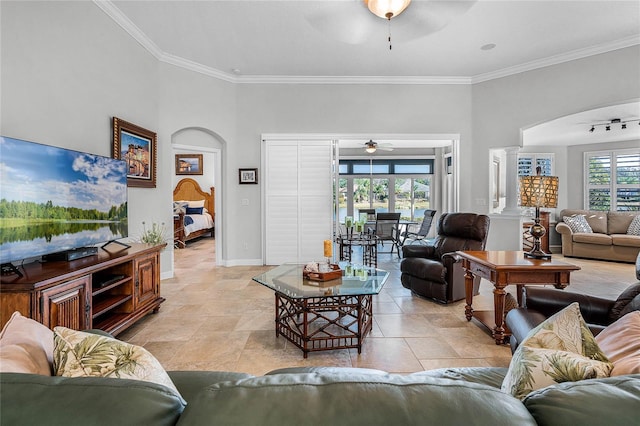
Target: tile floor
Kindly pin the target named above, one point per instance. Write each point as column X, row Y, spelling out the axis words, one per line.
column 217, row 318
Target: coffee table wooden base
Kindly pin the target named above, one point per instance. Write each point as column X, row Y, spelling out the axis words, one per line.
column 324, row 323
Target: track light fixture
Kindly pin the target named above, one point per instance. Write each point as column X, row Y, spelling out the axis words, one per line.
column 614, row 121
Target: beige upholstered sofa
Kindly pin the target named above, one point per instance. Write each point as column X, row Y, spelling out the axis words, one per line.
column 608, row 241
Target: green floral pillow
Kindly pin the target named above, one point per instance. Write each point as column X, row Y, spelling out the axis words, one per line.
column 81, row 354
column 561, row 349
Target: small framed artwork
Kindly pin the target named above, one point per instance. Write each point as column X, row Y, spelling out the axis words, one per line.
column 138, row 147
column 248, row 176
column 188, row 164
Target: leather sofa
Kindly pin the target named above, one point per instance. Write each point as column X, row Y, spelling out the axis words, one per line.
column 540, row 303
column 316, row 396
column 433, row 271
column 608, row 241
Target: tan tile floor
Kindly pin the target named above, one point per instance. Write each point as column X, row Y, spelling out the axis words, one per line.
column 217, row 318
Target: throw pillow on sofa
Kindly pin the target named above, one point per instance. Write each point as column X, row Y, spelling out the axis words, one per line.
column 620, row 341
column 561, row 349
column 81, row 354
column 578, row 224
column 634, row 227
column 26, row 346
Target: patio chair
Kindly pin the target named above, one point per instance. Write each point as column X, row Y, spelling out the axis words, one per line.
column 386, row 229
column 423, row 231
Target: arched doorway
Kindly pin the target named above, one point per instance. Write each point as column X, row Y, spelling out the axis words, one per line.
column 197, row 140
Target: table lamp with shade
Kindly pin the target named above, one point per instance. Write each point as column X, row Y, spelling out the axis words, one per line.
column 538, row 191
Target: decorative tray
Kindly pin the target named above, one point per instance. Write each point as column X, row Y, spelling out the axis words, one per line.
column 335, row 273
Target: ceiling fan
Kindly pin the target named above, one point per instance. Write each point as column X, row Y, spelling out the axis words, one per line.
column 350, row 22
column 372, row 146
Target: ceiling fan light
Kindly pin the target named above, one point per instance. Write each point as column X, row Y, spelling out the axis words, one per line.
column 387, row 9
column 370, row 149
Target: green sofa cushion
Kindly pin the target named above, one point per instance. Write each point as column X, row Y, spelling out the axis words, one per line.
column 489, row 376
column 190, row 383
column 611, row 401
column 30, row 399
column 353, row 399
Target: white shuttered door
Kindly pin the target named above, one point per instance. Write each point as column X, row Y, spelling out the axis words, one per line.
column 298, row 200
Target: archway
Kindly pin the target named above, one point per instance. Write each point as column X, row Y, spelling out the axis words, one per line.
column 198, row 140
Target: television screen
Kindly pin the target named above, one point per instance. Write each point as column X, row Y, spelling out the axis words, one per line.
column 55, row 199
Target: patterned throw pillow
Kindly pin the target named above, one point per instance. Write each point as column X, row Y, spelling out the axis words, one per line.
column 578, row 224
column 561, row 349
column 634, row 227
column 180, row 207
column 81, row 354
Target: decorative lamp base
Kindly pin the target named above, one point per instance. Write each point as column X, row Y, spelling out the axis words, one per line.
column 538, row 254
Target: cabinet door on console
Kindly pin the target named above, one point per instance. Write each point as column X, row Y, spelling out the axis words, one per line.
column 67, row 304
column 147, row 281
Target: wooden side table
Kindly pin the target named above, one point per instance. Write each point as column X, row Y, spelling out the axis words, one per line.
column 503, row 268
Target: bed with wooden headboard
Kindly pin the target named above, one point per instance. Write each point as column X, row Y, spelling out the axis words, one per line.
column 192, row 223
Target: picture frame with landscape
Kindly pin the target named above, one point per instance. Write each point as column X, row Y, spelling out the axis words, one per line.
column 138, row 147
column 189, row 164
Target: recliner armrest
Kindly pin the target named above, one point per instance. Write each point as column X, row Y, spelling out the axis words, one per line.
column 419, row 251
column 595, row 310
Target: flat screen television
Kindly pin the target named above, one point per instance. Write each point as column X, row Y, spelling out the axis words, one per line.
column 55, row 199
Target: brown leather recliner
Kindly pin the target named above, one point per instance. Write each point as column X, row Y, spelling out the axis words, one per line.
column 433, row 271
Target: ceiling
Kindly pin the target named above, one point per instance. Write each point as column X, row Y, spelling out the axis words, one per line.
column 340, row 41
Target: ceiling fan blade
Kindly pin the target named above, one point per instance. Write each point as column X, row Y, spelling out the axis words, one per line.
column 422, row 18
column 381, row 148
column 348, row 22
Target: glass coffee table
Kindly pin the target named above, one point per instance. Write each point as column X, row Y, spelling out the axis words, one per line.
column 324, row 315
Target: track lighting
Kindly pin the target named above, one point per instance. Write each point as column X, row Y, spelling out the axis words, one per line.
column 614, row 121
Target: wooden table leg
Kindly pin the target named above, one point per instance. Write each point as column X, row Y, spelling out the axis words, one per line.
column 468, row 291
column 498, row 302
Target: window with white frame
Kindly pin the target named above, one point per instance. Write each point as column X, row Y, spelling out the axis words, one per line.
column 399, row 185
column 527, row 163
column 612, row 180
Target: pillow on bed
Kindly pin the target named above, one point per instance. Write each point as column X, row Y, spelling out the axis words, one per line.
column 194, row 210
column 196, row 204
column 180, row 207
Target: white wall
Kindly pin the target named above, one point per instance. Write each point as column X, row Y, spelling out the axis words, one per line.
column 67, row 68
column 503, row 107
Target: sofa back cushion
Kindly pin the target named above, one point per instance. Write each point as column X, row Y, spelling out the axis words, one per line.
column 354, row 399
column 611, row 400
column 30, row 399
column 596, row 220
column 618, row 222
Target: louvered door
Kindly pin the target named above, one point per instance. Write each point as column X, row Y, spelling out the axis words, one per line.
column 298, row 200
column 67, row 304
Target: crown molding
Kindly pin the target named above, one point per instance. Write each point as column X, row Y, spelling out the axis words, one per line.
column 123, row 21
column 293, row 79
column 558, row 59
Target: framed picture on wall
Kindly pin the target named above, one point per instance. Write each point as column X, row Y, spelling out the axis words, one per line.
column 248, row 176
column 189, row 164
column 138, row 147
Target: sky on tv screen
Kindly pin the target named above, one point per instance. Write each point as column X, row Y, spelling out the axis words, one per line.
column 41, row 173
